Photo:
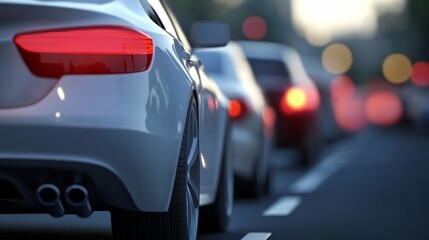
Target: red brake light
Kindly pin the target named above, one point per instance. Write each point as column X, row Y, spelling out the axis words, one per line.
column 91, row 50
column 237, row 109
column 297, row 99
column 294, row 100
column 269, row 120
column 269, row 117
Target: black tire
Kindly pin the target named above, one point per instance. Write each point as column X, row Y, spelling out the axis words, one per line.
column 215, row 217
column 174, row 224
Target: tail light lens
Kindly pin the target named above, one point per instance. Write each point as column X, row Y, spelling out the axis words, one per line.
column 91, row 50
column 237, row 109
column 269, row 119
column 297, row 99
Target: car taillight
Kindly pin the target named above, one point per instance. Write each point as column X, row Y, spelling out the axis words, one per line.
column 269, row 119
column 89, row 50
column 237, row 109
column 297, row 99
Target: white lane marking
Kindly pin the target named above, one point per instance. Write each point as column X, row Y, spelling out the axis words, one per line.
column 257, row 236
column 314, row 178
column 283, row 207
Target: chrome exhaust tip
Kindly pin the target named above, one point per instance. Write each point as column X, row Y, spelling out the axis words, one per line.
column 49, row 196
column 77, row 198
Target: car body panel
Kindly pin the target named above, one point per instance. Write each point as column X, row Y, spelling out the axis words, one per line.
column 138, row 117
column 229, row 68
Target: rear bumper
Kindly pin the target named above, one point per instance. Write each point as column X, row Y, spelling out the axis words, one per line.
column 121, row 133
column 116, row 166
column 246, row 149
column 24, row 176
column 293, row 131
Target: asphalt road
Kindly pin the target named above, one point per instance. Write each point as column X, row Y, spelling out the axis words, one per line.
column 373, row 185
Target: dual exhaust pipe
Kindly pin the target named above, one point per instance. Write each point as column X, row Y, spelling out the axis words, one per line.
column 76, row 197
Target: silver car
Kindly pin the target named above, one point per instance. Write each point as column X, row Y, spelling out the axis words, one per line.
column 103, row 107
column 252, row 119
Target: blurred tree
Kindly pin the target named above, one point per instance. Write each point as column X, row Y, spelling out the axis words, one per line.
column 419, row 24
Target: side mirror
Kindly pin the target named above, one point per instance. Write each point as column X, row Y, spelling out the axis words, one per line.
column 209, row 34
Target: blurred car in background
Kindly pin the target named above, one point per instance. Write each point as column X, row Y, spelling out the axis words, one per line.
column 415, row 100
column 421, row 115
column 252, row 120
column 329, row 128
column 107, row 109
column 294, row 96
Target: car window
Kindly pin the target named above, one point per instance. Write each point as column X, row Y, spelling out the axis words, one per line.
column 178, row 28
column 272, row 69
column 154, row 17
column 212, row 63
column 162, row 15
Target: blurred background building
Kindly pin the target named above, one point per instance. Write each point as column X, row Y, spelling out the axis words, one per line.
column 350, row 48
column 371, row 29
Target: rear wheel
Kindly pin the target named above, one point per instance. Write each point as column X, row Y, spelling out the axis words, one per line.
column 181, row 221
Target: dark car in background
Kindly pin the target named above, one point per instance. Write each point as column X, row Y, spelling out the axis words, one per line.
column 288, row 89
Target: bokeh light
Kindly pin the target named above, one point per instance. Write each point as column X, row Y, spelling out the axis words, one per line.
column 397, row 68
column 420, row 74
column 321, row 21
column 350, row 115
column 255, row 28
column 318, row 39
column 383, row 108
column 342, row 87
column 337, row 58
column 348, row 109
